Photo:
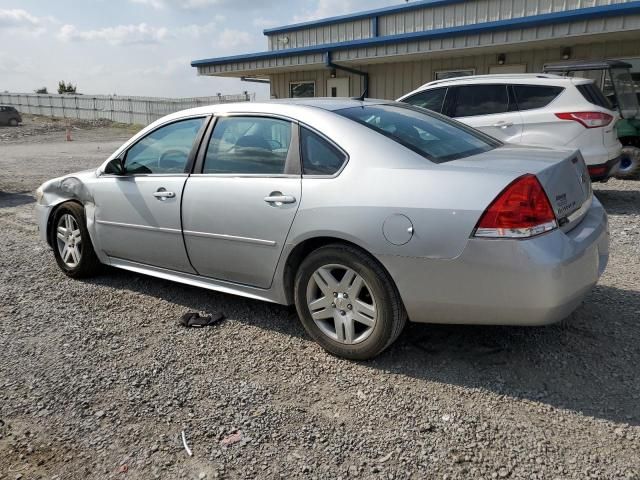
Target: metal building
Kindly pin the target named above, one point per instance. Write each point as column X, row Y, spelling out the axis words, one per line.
column 395, row 49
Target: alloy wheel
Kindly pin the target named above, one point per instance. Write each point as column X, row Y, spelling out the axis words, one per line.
column 341, row 304
column 69, row 240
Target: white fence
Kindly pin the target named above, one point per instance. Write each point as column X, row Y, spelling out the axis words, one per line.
column 133, row 110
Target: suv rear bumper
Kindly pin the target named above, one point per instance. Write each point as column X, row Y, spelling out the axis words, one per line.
column 602, row 172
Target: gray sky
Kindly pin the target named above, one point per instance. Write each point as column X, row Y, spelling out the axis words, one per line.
column 142, row 47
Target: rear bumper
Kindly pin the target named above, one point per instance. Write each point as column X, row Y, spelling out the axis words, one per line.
column 602, row 172
column 507, row 282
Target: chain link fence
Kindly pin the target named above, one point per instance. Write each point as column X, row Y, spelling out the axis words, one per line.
column 131, row 110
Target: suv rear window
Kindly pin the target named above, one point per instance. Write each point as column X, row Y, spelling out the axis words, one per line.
column 594, row 95
column 428, row 134
column 529, row 97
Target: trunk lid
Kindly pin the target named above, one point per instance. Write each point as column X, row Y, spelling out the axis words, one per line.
column 562, row 173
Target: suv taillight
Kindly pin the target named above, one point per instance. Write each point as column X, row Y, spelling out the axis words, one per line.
column 522, row 210
column 587, row 119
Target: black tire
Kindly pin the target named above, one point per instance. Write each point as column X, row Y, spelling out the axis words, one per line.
column 391, row 315
column 629, row 166
column 88, row 264
column 13, row 122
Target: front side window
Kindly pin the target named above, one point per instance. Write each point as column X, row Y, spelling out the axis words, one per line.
column 248, row 145
column 319, row 157
column 529, row 97
column 475, row 100
column 165, row 150
column 429, row 99
column 302, row 89
column 435, row 138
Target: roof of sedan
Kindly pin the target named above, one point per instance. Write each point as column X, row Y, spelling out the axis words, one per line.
column 328, row 103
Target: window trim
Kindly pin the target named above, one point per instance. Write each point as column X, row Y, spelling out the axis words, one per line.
column 293, row 162
column 303, row 82
column 330, row 142
column 456, row 92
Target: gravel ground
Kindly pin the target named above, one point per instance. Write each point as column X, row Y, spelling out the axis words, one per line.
column 98, row 381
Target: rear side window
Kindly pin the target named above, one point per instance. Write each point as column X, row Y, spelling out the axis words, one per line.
column 319, row 157
column 475, row 100
column 529, row 97
column 248, row 145
column 429, row 99
column 436, row 138
column 593, row 95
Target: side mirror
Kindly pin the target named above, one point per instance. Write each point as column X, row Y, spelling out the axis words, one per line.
column 115, row 167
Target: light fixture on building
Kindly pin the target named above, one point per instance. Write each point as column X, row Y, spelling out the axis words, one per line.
column 284, row 40
column 333, row 73
column 566, row 53
column 502, row 58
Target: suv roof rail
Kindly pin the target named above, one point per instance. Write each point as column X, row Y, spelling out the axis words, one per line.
column 494, row 75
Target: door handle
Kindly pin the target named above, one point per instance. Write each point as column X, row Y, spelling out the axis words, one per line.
column 280, row 199
column 503, row 124
column 162, row 194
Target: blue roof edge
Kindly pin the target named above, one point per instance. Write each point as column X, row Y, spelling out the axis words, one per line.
column 360, row 15
column 520, row 22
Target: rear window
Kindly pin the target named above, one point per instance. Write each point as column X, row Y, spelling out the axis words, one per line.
column 430, row 135
column 529, row 97
column 594, row 95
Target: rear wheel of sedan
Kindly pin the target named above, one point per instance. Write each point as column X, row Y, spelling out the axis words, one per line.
column 347, row 302
column 71, row 242
column 13, row 122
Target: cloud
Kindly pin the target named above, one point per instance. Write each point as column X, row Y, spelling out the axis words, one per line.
column 141, row 34
column 265, row 22
column 331, row 8
column 230, row 39
column 19, row 20
column 197, row 30
column 198, row 4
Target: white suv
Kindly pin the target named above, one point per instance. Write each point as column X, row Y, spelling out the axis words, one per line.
column 532, row 109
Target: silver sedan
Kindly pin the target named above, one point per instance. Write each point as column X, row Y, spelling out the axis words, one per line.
column 361, row 213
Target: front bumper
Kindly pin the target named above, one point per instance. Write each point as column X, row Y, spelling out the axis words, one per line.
column 42, row 219
column 507, row 282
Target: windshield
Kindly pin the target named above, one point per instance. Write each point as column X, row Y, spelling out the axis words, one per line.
column 431, row 135
column 625, row 92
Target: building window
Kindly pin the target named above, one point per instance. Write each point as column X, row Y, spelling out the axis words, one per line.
column 302, row 89
column 446, row 74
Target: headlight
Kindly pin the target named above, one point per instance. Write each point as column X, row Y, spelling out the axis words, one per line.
column 39, row 195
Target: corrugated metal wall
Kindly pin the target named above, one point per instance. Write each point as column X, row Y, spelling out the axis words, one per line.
column 392, row 80
column 428, row 18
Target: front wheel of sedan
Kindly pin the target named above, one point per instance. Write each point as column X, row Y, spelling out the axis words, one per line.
column 71, row 242
column 348, row 303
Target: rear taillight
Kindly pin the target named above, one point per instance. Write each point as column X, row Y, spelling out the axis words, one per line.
column 522, row 210
column 598, row 171
column 587, row 119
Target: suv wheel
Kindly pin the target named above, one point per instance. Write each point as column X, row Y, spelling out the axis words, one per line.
column 629, row 166
column 13, row 122
column 348, row 303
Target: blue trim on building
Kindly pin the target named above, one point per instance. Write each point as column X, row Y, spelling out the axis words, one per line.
column 499, row 25
column 361, row 15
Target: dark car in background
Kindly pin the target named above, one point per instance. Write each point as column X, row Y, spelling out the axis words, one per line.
column 9, row 116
